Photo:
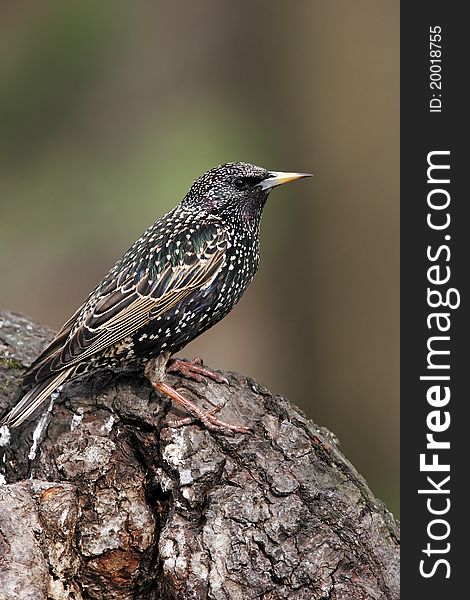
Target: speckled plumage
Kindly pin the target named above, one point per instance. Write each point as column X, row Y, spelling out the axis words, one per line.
column 183, row 275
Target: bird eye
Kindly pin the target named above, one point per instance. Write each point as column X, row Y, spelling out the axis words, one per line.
column 240, row 184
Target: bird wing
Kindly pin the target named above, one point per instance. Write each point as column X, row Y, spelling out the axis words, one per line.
column 130, row 297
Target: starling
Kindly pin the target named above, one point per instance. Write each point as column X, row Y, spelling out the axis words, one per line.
column 182, row 276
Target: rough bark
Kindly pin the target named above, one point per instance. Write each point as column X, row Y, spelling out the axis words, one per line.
column 119, row 504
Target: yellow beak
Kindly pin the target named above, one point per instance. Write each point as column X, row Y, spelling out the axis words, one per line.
column 276, row 178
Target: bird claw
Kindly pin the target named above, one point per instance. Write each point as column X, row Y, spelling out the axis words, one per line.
column 195, row 370
column 207, row 418
column 190, row 420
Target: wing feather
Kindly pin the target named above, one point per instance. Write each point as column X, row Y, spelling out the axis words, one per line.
column 121, row 306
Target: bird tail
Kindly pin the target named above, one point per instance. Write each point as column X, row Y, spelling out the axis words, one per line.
column 34, row 399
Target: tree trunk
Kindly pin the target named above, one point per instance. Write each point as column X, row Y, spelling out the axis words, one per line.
column 105, row 498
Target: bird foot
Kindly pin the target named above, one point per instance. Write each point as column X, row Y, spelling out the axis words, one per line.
column 191, row 420
column 194, row 369
column 207, row 418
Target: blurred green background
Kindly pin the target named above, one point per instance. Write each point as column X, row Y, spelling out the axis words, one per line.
column 109, row 110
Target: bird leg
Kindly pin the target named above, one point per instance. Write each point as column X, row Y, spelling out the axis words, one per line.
column 207, row 418
column 193, row 369
column 190, row 420
column 155, row 373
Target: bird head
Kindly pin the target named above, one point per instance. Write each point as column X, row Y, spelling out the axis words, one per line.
column 236, row 188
